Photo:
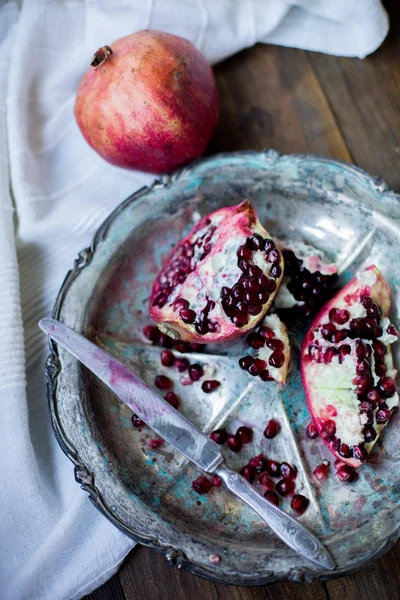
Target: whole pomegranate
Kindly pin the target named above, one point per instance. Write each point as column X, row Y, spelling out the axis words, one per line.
column 220, row 280
column 148, row 102
column 347, row 367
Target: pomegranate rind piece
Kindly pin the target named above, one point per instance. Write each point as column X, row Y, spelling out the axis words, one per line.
column 329, row 376
column 209, row 257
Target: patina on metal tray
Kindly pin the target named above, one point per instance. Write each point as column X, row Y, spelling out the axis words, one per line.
column 147, row 493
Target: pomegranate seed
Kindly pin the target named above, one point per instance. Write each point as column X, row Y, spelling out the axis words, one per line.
column 327, row 330
column 328, row 429
column 271, row 497
column 166, row 341
column 273, row 468
column 245, row 362
column 268, row 244
column 248, row 473
column 172, row 399
column 284, row 487
column 234, row 443
column 360, row 453
column 363, row 367
column 380, row 369
column 182, row 346
column 196, row 371
column 187, row 315
column 314, row 352
column 273, row 256
column 346, row 474
column 245, row 434
column 244, row 265
column 255, row 340
column 339, row 316
column 266, row 332
column 382, row 415
column 366, row 301
column 163, row 382
column 257, row 367
column 272, row 429
column 244, row 252
column 387, row 386
column 266, row 481
column 339, row 336
column 361, row 349
column 274, row 344
column 335, row 443
column 288, row 471
column 202, row 485
column 369, row 433
column 330, row 353
column 216, row 480
column 152, row 333
column 137, row 421
column 363, row 383
column 154, row 444
column 312, row 431
column 379, row 347
column 321, row 472
column 196, row 347
column 275, row 271
column 392, row 330
column 240, row 320
column 373, row 396
column 299, row 504
column 219, row 436
column 182, row 364
column 258, row 462
column 167, row 358
column 210, row 386
column 344, row 351
column 265, row 376
column 276, row 359
column 255, row 309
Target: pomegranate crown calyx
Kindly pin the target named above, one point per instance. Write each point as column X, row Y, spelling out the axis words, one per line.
column 100, row 57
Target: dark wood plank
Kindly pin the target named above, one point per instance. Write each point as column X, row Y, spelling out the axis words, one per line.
column 364, row 98
column 111, row 590
column 270, row 98
column 380, row 580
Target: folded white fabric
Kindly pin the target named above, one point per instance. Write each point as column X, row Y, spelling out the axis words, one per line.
column 53, row 543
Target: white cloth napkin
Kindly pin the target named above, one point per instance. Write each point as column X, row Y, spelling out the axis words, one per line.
column 54, row 193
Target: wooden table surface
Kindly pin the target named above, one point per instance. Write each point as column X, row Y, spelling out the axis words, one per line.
column 295, row 102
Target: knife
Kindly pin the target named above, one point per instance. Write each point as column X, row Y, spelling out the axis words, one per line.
column 185, row 437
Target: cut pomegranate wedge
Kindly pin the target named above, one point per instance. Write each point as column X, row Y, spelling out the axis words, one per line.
column 347, row 367
column 271, row 360
column 220, row 279
column 308, row 279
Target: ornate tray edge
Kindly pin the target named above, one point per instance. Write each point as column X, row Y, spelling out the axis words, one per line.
column 175, row 556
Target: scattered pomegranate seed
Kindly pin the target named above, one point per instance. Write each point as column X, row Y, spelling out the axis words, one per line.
column 234, row 443
column 321, row 471
column 271, row 429
column 273, row 468
column 182, row 364
column 255, row 340
column 182, row 346
column 258, row 462
column 248, row 473
column 210, row 385
column 271, row 497
column 288, row 471
column 257, row 367
column 245, row 362
column 216, row 480
column 299, row 504
column 219, row 436
column 284, row 487
column 392, row 330
column 245, row 434
column 172, row 399
column 266, row 332
column 154, row 444
column 346, row 474
column 152, row 333
column 266, row 481
column 137, row 421
column 163, row 382
column 202, row 485
column 166, row 341
column 312, row 431
column 196, row 371
column 167, row 358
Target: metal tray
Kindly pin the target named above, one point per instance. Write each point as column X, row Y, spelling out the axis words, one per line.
column 338, row 208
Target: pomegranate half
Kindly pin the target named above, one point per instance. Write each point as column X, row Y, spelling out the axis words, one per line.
column 220, row 279
column 148, row 102
column 347, row 367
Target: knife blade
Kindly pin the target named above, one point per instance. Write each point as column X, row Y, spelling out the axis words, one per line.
column 173, row 427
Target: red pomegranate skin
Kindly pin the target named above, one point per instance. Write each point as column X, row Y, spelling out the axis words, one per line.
column 152, row 105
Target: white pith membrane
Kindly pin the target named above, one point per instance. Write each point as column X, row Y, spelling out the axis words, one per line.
column 273, row 330
column 310, row 264
column 210, row 273
column 329, row 378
